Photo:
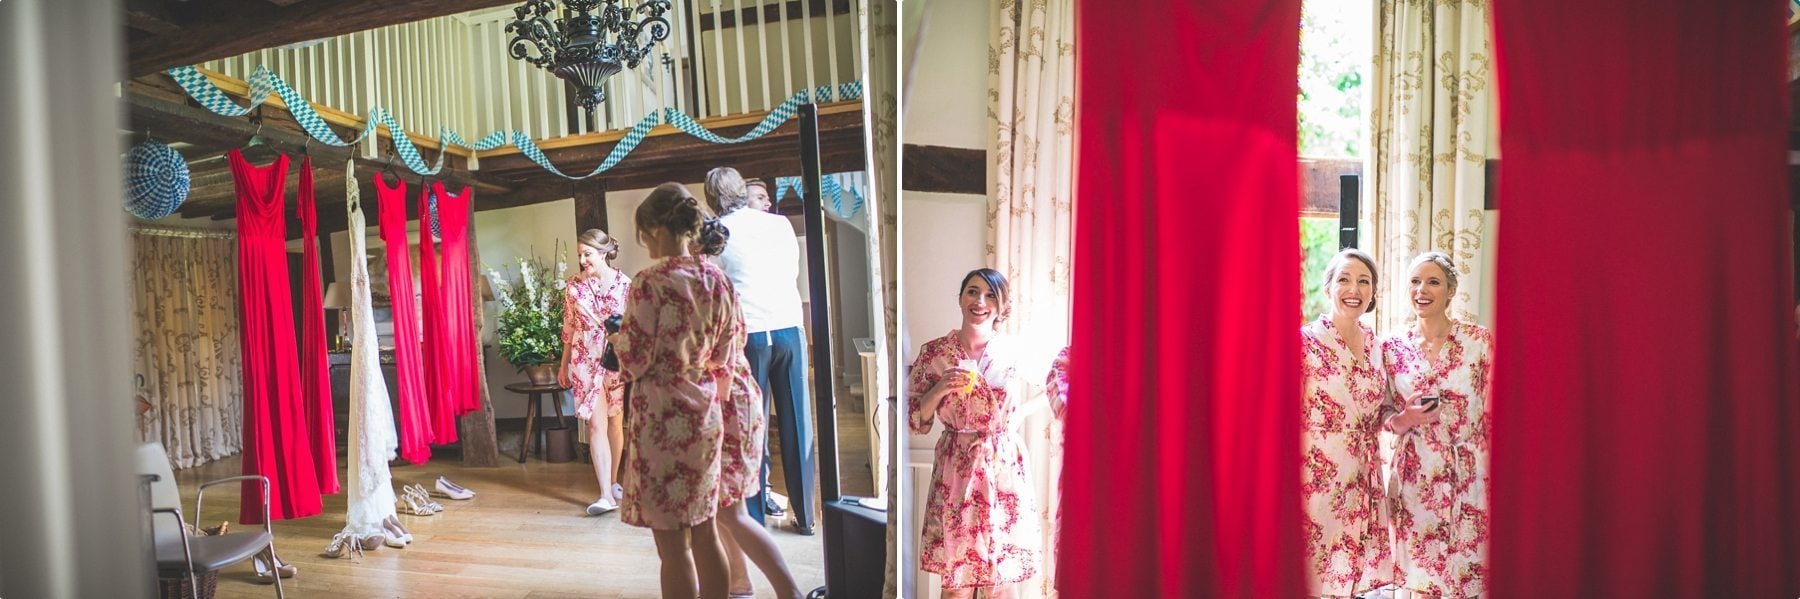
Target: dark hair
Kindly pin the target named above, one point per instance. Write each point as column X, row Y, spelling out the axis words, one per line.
column 712, row 237
column 725, row 190
column 670, row 207
column 996, row 282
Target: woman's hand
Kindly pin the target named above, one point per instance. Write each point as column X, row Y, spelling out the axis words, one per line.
column 562, row 375
column 955, row 379
column 1414, row 415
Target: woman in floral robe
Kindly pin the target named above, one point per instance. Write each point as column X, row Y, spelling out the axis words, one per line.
column 1440, row 463
column 981, row 525
column 1341, row 403
column 594, row 294
column 675, row 348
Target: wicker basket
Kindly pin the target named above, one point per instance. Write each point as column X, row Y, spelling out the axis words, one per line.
column 178, row 588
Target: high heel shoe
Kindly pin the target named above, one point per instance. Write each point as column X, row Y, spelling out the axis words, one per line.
column 265, row 573
column 409, row 505
column 344, row 543
column 444, row 488
column 424, row 497
column 395, row 534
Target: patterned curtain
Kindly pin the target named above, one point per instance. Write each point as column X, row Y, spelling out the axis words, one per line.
column 881, row 23
column 186, row 355
column 1031, row 109
column 1433, row 92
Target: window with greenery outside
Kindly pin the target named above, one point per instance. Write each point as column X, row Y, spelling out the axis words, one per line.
column 531, row 312
column 1333, row 45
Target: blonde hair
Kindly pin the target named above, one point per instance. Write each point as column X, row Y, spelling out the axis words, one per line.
column 726, row 190
column 1442, row 260
column 601, row 242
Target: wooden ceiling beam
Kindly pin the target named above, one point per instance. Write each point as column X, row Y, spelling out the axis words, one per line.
column 213, row 29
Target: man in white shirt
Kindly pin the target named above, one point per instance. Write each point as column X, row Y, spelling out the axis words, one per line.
column 762, row 259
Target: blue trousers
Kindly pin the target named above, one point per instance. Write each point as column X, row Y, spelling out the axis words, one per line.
column 778, row 361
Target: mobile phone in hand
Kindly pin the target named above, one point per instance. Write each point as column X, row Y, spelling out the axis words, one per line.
column 1429, row 403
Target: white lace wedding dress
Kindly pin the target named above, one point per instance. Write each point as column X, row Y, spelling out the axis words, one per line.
column 373, row 440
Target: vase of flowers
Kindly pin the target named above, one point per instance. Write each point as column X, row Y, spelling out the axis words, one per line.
column 531, row 317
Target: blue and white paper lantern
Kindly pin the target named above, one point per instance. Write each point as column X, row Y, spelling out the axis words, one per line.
column 156, row 180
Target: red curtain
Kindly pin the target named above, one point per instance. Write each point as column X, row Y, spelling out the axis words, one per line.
column 415, row 419
column 315, row 367
column 277, row 437
column 1645, row 425
column 1184, row 480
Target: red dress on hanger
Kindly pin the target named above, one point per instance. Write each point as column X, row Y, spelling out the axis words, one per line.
column 443, row 417
column 315, row 366
column 277, row 438
column 415, row 429
column 462, row 346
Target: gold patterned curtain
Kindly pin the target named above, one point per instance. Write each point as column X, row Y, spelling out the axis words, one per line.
column 1433, row 95
column 1031, row 115
column 186, row 355
column 881, row 24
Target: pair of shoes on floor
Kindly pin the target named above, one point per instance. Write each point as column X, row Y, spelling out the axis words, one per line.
column 414, row 501
column 395, row 535
column 268, row 565
column 602, row 506
column 772, row 504
column 445, row 488
column 344, row 543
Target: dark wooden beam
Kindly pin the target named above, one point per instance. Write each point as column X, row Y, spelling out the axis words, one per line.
column 150, row 16
column 772, row 13
column 212, row 29
column 944, row 170
column 590, row 206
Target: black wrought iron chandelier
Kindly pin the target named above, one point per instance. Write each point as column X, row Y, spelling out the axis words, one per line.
column 589, row 41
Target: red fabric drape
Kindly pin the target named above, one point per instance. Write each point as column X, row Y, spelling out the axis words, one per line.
column 438, row 408
column 1185, row 481
column 460, row 340
column 315, row 367
column 277, row 439
column 1645, row 423
column 415, row 420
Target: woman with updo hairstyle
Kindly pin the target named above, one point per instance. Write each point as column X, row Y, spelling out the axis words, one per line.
column 1440, row 376
column 1341, row 399
column 596, row 292
column 740, row 460
column 675, row 346
column 981, row 529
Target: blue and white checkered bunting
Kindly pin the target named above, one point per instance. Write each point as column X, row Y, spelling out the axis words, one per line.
column 264, row 83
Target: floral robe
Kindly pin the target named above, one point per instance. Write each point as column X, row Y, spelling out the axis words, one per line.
column 740, row 460
column 675, row 344
column 586, row 306
column 981, row 523
column 1057, row 384
column 1440, row 470
column 1341, row 414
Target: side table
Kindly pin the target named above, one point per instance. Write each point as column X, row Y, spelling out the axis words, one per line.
column 534, row 394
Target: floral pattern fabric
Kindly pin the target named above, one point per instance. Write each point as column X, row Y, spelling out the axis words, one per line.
column 981, row 526
column 680, row 325
column 741, row 453
column 587, row 303
column 1440, row 470
column 1341, row 414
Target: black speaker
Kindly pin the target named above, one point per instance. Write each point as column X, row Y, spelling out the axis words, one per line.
column 856, row 550
column 1349, row 189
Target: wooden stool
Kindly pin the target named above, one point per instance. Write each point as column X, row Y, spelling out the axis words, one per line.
column 534, row 394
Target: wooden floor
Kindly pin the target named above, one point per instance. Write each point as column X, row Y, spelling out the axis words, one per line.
column 524, row 535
